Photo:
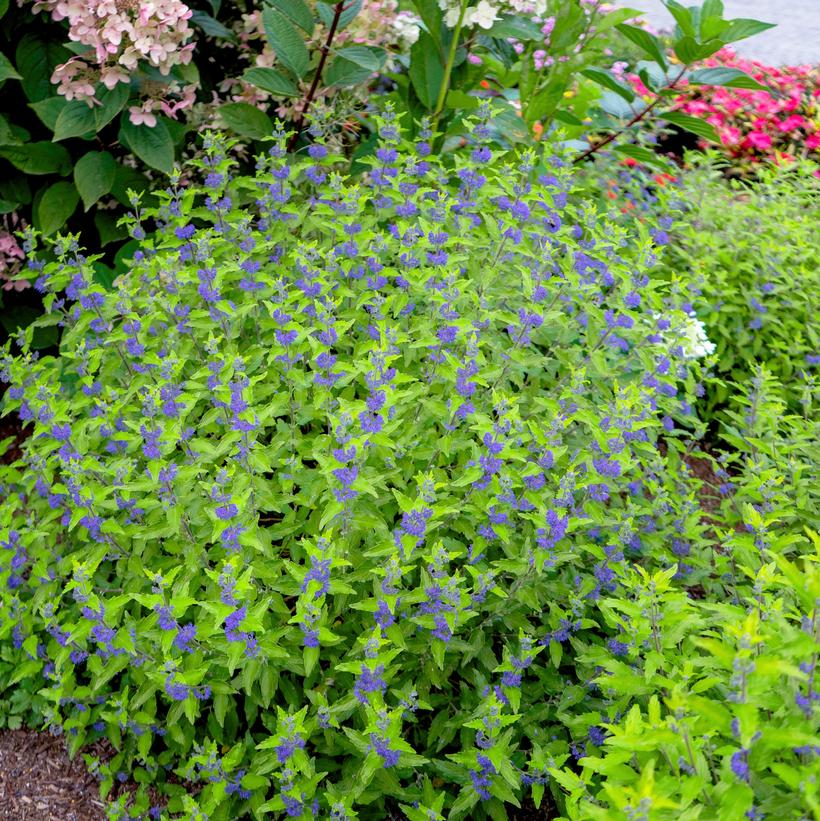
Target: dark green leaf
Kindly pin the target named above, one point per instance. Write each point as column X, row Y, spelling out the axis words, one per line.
column 246, row 120
column 689, row 50
column 693, row 124
column 38, row 158
column 124, row 256
column 730, row 77
column 369, row 57
column 36, row 58
column 104, row 275
column 515, row 26
column 683, row 17
column 298, row 11
column 16, row 188
column 342, row 72
column 76, row 119
column 7, row 71
column 272, row 81
column 111, row 103
column 645, row 41
column 567, row 117
column 607, row 80
column 7, row 207
column 211, row 26
column 740, row 29
column 108, row 229
column 326, row 12
column 55, row 206
column 4, row 7
column 152, row 145
column 49, row 109
column 94, row 176
column 126, row 179
column 426, row 70
column 7, row 136
column 286, row 42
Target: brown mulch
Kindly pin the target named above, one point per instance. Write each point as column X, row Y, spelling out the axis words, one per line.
column 39, row 782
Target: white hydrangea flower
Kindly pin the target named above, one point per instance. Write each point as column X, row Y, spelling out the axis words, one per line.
column 695, row 342
column 484, row 15
column 406, row 26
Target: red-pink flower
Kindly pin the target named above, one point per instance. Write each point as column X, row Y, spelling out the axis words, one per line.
column 759, row 140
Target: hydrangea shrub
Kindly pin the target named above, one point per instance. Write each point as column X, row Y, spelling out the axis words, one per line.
column 367, row 496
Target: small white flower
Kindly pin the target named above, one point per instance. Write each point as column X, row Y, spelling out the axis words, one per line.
column 484, row 15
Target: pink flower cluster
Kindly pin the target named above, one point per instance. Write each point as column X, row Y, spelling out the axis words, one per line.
column 759, row 125
column 11, row 255
column 121, row 35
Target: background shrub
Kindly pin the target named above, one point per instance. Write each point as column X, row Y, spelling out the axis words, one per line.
column 749, row 251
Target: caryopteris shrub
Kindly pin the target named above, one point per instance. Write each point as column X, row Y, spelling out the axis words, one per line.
column 325, row 507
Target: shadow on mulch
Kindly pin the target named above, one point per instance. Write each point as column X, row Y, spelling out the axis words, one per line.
column 39, row 782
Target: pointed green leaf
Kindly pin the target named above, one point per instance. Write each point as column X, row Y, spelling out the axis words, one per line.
column 741, row 28
column 272, row 81
column 286, row 42
column 94, row 176
column 724, row 76
column 152, row 145
column 7, row 71
column 644, row 41
column 76, row 119
column 246, row 120
column 36, row 58
column 112, row 101
column 683, row 17
column 211, row 26
column 693, row 124
column 55, row 206
column 298, row 11
column 49, row 109
column 38, row 158
column 327, row 11
column 426, row 70
column 607, row 80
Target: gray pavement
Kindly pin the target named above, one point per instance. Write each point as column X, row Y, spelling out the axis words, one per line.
column 796, row 39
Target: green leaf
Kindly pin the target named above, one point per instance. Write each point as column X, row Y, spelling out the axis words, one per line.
column 7, row 207
column 108, row 229
column 689, row 50
column 604, row 78
column 355, row 64
column 4, row 7
column 152, row 145
column 76, row 119
column 272, row 81
column 55, row 206
column 515, row 26
column 246, row 120
column 327, row 11
column 111, row 103
column 426, row 70
column 640, row 153
column 286, row 42
column 7, row 71
column 36, row 58
column 645, row 41
column 127, row 179
column 683, row 17
column 298, row 11
column 7, row 136
column 723, row 76
column 94, row 176
column 211, row 26
column 49, row 109
column 38, row 158
column 693, row 124
column 741, row 28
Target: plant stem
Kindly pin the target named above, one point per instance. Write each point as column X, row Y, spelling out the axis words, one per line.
column 636, row 119
column 448, row 68
column 337, row 13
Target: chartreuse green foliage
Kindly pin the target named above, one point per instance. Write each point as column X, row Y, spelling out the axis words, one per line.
column 352, row 500
column 751, row 254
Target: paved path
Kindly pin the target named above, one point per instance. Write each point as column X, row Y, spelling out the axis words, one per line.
column 795, row 40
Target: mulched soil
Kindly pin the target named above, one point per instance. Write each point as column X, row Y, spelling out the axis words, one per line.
column 39, row 782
